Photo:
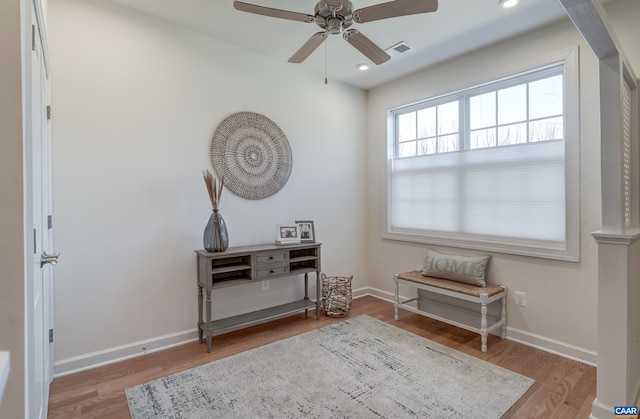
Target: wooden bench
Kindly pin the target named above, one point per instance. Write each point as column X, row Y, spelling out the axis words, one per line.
column 480, row 322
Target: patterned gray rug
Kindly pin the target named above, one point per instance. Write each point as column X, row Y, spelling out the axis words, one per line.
column 358, row 368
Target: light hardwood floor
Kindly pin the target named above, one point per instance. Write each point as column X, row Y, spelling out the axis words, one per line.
column 563, row 388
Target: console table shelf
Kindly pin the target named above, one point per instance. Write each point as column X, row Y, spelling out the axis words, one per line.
column 256, row 317
column 231, row 282
column 250, row 264
column 232, row 268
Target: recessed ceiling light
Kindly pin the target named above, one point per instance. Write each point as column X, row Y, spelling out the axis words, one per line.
column 363, row 67
column 507, row 4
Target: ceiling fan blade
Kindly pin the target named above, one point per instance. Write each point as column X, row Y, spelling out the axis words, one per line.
column 365, row 46
column 394, row 9
column 308, row 47
column 268, row 11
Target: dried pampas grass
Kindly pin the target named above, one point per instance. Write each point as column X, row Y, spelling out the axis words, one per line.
column 213, row 187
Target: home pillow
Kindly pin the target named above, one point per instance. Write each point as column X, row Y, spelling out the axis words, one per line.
column 467, row 269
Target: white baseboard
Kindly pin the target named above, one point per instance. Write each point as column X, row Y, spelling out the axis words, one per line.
column 120, row 353
column 600, row 410
column 526, row 338
column 555, row 347
column 374, row 292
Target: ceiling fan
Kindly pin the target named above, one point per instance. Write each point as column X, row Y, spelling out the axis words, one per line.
column 336, row 16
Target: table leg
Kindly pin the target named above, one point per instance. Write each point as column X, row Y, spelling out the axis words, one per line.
column 306, row 290
column 504, row 314
column 200, row 311
column 306, row 285
column 318, row 296
column 209, row 332
column 397, row 297
column 483, row 326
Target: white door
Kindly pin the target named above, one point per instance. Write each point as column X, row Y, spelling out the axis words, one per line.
column 40, row 292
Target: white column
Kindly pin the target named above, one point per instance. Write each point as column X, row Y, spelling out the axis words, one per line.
column 618, row 349
column 618, row 381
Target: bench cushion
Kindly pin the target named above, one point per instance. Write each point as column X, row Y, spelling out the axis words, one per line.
column 455, row 286
column 467, row 269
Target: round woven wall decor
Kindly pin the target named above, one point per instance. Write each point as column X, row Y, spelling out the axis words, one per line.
column 252, row 154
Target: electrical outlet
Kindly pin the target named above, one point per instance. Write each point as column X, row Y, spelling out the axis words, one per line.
column 265, row 285
column 521, row 299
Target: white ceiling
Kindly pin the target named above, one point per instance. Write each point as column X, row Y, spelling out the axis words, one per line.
column 458, row 26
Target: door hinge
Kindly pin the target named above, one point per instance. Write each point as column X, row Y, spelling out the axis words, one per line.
column 48, row 112
column 49, row 222
column 50, row 335
column 35, row 242
column 33, row 37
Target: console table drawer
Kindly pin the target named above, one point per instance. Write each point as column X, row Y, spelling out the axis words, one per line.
column 271, row 271
column 268, row 258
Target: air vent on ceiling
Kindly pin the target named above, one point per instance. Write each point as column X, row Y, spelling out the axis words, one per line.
column 399, row 48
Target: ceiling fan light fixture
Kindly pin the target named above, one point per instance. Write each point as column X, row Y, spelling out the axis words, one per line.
column 507, row 4
column 362, row 67
column 334, row 26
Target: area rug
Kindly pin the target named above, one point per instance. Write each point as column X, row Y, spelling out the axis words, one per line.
column 357, row 368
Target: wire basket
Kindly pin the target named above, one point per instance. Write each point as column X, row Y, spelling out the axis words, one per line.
column 336, row 295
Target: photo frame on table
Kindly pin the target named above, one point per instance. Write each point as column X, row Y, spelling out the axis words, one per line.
column 288, row 233
column 306, row 231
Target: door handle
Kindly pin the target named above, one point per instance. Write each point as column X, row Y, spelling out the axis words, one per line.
column 49, row 258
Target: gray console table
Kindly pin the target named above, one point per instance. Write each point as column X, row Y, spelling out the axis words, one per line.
column 250, row 264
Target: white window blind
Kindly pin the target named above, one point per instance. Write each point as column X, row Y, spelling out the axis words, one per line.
column 513, row 191
column 492, row 167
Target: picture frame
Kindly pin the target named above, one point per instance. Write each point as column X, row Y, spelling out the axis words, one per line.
column 288, row 233
column 306, row 231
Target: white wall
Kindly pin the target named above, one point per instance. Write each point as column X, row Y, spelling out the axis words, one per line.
column 561, row 310
column 624, row 16
column 136, row 102
column 12, row 229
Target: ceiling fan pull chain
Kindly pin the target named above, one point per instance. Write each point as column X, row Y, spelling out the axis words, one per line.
column 325, row 60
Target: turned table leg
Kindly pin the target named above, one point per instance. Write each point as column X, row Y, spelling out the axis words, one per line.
column 397, row 297
column 504, row 314
column 200, row 311
column 483, row 326
column 318, row 295
column 209, row 332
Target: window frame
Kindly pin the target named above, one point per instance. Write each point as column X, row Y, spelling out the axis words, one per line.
column 569, row 250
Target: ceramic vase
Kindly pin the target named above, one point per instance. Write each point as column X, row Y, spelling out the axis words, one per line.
column 215, row 238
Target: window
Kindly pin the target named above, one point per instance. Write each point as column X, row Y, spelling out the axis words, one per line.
column 493, row 167
column 523, row 110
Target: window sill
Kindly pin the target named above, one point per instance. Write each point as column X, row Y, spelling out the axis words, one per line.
column 548, row 250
